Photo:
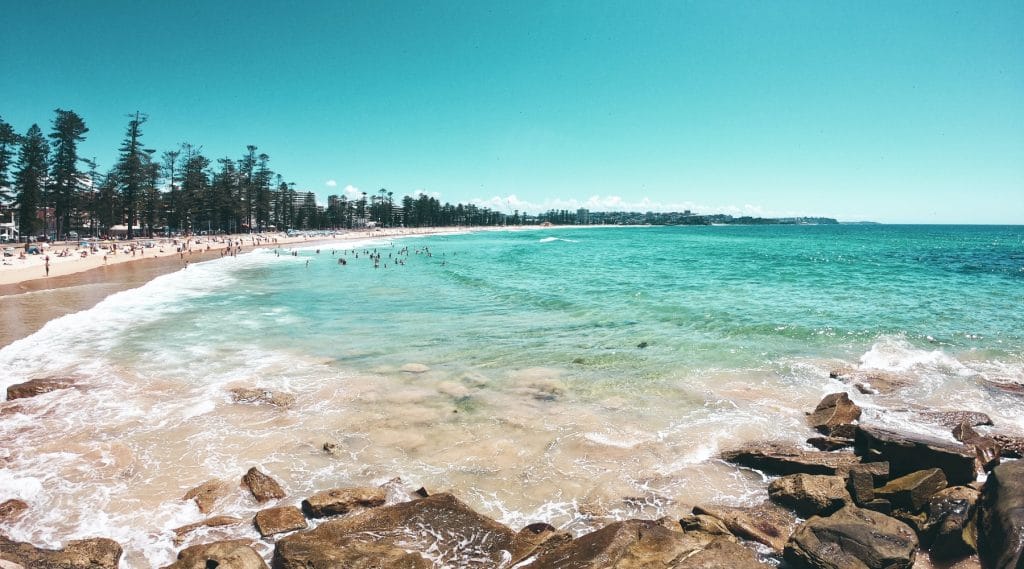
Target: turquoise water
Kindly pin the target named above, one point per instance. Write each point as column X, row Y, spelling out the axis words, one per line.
column 573, row 375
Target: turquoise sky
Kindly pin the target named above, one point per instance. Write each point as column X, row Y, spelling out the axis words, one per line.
column 889, row 111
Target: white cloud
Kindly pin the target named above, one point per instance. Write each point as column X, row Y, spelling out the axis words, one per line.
column 331, row 183
column 353, row 192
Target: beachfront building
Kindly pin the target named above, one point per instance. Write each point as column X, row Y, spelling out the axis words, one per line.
column 9, row 230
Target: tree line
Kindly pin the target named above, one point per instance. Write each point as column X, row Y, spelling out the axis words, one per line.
column 55, row 191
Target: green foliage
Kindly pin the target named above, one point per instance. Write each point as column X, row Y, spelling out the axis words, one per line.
column 30, row 178
column 66, row 180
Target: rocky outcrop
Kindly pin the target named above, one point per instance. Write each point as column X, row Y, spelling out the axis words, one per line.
column 778, row 458
column 452, row 533
column 1012, row 447
column 913, row 491
column 282, row 519
column 1001, row 518
column 640, row 544
column 97, row 553
column 262, row 396
column 215, row 521
column 834, row 415
column 206, row 494
column 37, row 387
column 263, row 487
column 339, row 501
column 950, row 531
column 910, row 452
column 810, row 494
column 12, row 509
column 765, row 523
column 987, row 450
column 852, row 538
column 232, row 554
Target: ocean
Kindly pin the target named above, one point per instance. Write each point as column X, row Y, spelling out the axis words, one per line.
column 568, row 375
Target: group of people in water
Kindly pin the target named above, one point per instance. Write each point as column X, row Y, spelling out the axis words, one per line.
column 394, row 258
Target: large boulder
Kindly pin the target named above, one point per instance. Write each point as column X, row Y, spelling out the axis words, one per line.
column 37, row 386
column 206, row 494
column 852, row 538
column 778, row 458
column 231, row 554
column 96, row 553
column 272, row 521
column 1001, row 518
column 987, row 450
column 810, row 494
column 440, row 526
column 950, row 419
column 765, row 523
column 913, row 491
column 263, row 487
column 338, row 501
column 644, row 544
column 949, row 529
column 910, row 452
column 833, row 413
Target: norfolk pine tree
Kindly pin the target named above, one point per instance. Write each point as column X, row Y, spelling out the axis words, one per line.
column 30, row 179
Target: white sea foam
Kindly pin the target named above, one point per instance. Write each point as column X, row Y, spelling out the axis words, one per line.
column 895, row 354
column 553, row 239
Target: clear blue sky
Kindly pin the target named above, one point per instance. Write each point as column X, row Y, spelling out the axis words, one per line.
column 889, row 111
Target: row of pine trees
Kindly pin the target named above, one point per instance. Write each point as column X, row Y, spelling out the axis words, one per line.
column 55, row 190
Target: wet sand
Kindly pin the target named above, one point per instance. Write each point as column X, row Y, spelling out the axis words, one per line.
column 26, row 306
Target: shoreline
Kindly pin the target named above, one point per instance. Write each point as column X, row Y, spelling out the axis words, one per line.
column 78, row 283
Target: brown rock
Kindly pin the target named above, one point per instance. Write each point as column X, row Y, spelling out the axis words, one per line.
column 12, row 509
column 215, row 521
column 642, row 544
column 279, row 520
column 705, row 524
column 912, row 492
column 339, row 501
column 951, row 419
column 830, row 443
column 861, row 486
column 264, row 396
column 1001, row 518
column 96, row 553
column 263, row 487
column 879, row 505
column 231, row 554
column 207, row 494
column 470, row 540
column 987, row 450
column 852, row 538
column 536, row 538
column 949, row 530
column 36, row 387
column 835, row 410
column 910, row 452
column 810, row 494
column 1011, row 447
column 765, row 523
column 776, row 458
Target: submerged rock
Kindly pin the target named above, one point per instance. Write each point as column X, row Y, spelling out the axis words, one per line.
column 778, row 458
column 231, row 554
column 415, row 368
column 12, row 509
column 339, row 501
column 96, row 553
column 207, row 494
column 263, row 487
column 910, row 452
column 441, row 526
column 1001, row 518
column 37, row 386
column 215, row 521
column 852, row 538
column 950, row 419
column 810, row 494
column 260, row 395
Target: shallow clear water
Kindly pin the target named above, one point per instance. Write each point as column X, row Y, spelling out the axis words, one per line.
column 538, row 401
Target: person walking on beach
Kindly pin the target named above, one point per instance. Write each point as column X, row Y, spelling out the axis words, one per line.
column 47, row 265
